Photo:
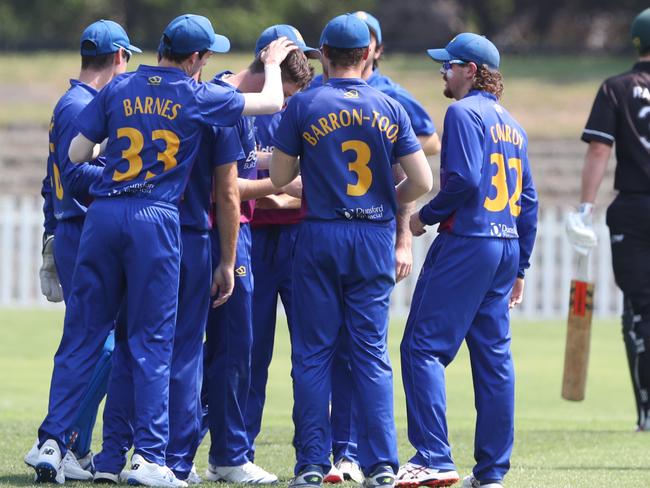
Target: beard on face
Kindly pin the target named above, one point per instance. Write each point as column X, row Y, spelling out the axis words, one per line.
column 447, row 92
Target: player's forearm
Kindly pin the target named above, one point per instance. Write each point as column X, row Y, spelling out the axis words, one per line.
column 49, row 223
column 456, row 191
column 81, row 149
column 226, row 196
column 283, row 169
column 253, row 189
column 271, row 98
column 419, row 179
column 593, row 171
column 527, row 228
column 404, row 238
column 430, row 144
column 77, row 178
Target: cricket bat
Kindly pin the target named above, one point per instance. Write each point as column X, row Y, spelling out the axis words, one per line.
column 576, row 354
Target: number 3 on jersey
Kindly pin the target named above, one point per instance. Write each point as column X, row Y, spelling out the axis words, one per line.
column 500, row 182
column 359, row 166
column 136, row 143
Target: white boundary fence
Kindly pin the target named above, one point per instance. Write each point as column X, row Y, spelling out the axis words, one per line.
column 547, row 282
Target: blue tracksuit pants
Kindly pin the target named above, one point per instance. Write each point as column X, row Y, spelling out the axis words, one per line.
column 343, row 274
column 462, row 293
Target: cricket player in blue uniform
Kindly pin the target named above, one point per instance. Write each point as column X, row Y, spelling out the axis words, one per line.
column 220, row 149
column 344, row 434
column 474, row 272
column 347, row 135
column 105, row 51
column 273, row 232
column 229, row 334
column 153, row 119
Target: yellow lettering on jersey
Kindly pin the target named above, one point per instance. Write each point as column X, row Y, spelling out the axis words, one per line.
column 175, row 108
column 323, row 125
column 137, row 106
column 344, row 117
column 128, row 111
column 148, row 105
column 506, row 133
column 333, row 121
column 309, row 138
column 357, row 116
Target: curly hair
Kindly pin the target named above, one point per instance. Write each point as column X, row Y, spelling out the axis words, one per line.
column 295, row 68
column 489, row 81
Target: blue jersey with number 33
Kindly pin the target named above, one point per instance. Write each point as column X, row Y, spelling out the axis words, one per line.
column 485, row 175
column 153, row 119
column 347, row 135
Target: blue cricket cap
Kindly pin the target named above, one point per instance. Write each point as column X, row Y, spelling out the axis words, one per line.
column 106, row 37
column 274, row 32
column 468, row 47
column 346, row 31
column 372, row 23
column 191, row 33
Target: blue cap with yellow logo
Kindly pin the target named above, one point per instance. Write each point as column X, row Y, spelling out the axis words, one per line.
column 468, row 47
column 274, row 32
column 372, row 23
column 105, row 37
column 346, row 31
column 191, row 33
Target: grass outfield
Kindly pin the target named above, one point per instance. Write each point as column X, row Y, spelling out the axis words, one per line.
column 558, row 443
column 550, row 95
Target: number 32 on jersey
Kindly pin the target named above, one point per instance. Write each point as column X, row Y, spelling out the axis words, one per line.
column 499, row 181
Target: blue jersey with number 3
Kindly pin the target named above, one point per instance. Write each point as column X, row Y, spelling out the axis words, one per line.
column 347, row 135
column 485, row 175
column 153, row 119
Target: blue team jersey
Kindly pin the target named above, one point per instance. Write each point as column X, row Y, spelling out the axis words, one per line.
column 420, row 120
column 219, row 145
column 347, row 135
column 69, row 182
column 153, row 119
column 247, row 165
column 485, row 175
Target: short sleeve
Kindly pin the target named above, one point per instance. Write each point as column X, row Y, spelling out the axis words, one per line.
column 227, row 146
column 219, row 105
column 601, row 125
column 92, row 121
column 407, row 142
column 287, row 137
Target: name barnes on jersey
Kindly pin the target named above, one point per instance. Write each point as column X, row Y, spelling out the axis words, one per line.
column 151, row 106
column 347, row 118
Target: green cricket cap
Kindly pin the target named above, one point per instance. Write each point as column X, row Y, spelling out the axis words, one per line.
column 640, row 31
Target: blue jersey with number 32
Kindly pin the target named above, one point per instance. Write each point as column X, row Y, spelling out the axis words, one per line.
column 153, row 119
column 347, row 135
column 485, row 175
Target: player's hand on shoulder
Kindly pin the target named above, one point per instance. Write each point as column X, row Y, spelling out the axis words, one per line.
column 223, row 282
column 50, row 285
column 580, row 229
column 517, row 294
column 416, row 225
column 277, row 51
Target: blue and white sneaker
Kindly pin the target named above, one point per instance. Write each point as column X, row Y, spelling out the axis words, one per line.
column 311, row 476
column 471, row 482
column 49, row 465
column 151, row 474
column 381, row 477
column 78, row 469
column 31, row 458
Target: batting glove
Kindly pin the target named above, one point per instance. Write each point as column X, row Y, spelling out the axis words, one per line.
column 50, row 286
column 580, row 229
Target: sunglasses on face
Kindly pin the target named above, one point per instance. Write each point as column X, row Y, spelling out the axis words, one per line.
column 446, row 65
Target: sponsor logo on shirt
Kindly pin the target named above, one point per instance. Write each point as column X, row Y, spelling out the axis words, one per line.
column 241, row 271
column 502, row 230
column 154, row 80
column 369, row 213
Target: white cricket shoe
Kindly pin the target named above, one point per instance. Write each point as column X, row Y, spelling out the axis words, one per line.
column 471, row 482
column 350, row 470
column 151, row 474
column 333, row 476
column 245, row 473
column 78, row 469
column 31, row 458
column 311, row 476
column 193, row 478
column 49, row 466
column 411, row 475
column 381, row 477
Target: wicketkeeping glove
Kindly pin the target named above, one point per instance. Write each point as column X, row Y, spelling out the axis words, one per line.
column 50, row 286
column 580, row 229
